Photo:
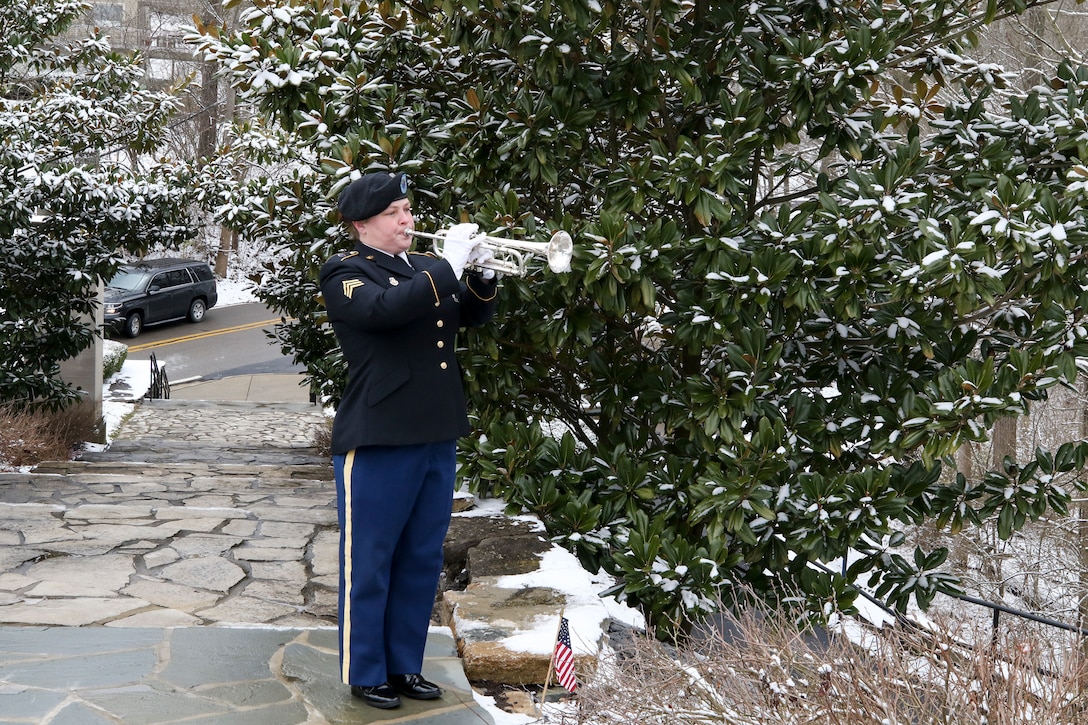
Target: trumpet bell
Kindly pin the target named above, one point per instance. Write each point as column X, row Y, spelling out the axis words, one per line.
column 560, row 251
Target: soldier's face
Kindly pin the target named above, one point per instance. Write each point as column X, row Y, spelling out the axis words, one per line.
column 388, row 230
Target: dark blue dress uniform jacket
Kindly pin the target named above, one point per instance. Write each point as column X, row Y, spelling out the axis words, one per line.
column 397, row 328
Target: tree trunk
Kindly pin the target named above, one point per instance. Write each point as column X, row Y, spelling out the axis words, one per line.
column 209, row 123
column 1004, row 441
column 1082, row 576
column 1081, row 540
column 209, row 95
column 965, row 462
column 228, row 241
column 1037, row 21
column 219, row 107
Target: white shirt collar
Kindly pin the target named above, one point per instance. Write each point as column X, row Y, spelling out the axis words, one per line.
column 402, row 255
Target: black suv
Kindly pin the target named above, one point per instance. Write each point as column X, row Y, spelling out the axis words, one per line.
column 158, row 290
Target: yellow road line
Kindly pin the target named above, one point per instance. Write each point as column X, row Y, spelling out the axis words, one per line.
column 200, row 335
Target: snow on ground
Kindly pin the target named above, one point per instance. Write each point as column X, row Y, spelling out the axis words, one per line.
column 120, row 393
column 235, row 292
column 500, row 716
column 586, row 610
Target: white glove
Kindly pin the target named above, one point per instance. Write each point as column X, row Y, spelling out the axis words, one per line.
column 458, row 246
column 480, row 256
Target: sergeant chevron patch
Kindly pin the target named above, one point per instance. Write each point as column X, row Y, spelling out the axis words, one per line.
column 350, row 285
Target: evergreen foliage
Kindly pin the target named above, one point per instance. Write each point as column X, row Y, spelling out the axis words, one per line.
column 71, row 114
column 818, row 249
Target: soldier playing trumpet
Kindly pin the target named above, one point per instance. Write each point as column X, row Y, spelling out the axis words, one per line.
column 396, row 316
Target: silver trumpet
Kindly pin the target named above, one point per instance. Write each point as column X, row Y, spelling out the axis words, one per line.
column 511, row 254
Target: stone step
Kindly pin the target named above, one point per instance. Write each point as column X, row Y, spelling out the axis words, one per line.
column 193, row 407
column 227, row 676
column 163, row 450
column 71, row 485
column 218, row 432
column 230, row 423
column 167, row 489
column 184, row 549
column 504, row 595
column 158, row 552
column 320, row 470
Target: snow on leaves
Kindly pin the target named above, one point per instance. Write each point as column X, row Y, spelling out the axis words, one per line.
column 848, row 275
column 73, row 115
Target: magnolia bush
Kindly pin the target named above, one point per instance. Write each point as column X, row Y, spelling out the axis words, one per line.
column 73, row 117
column 818, row 249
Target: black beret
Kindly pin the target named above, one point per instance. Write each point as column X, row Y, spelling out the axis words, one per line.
column 371, row 194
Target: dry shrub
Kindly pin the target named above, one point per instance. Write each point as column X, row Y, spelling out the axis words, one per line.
column 28, row 437
column 323, row 438
column 758, row 668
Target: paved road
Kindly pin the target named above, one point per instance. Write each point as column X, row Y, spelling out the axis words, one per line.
column 229, row 341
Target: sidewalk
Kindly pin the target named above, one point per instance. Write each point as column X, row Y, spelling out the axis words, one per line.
column 187, row 574
column 264, row 387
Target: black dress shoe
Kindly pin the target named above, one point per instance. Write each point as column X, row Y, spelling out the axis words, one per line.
column 415, row 687
column 381, row 696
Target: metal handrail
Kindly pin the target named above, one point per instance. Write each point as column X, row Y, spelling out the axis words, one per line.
column 1019, row 613
column 160, row 383
column 997, row 609
column 973, row 600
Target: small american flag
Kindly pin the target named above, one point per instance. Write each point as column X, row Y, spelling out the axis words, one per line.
column 564, row 658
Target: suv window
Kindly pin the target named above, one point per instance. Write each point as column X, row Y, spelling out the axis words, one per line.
column 202, row 272
column 130, row 280
column 173, row 278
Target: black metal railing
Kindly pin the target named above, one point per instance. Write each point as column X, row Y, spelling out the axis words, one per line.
column 160, row 383
column 997, row 610
column 994, row 606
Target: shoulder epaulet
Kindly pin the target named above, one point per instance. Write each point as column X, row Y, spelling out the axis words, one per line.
column 347, row 255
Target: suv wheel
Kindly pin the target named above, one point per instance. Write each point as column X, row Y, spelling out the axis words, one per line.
column 134, row 324
column 197, row 308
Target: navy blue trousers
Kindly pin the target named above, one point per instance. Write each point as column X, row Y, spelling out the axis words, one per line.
column 394, row 505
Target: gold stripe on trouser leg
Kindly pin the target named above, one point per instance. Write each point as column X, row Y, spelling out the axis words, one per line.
column 345, row 616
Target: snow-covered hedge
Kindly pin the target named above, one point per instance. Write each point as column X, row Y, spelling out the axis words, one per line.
column 113, row 357
column 74, row 119
column 819, row 248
